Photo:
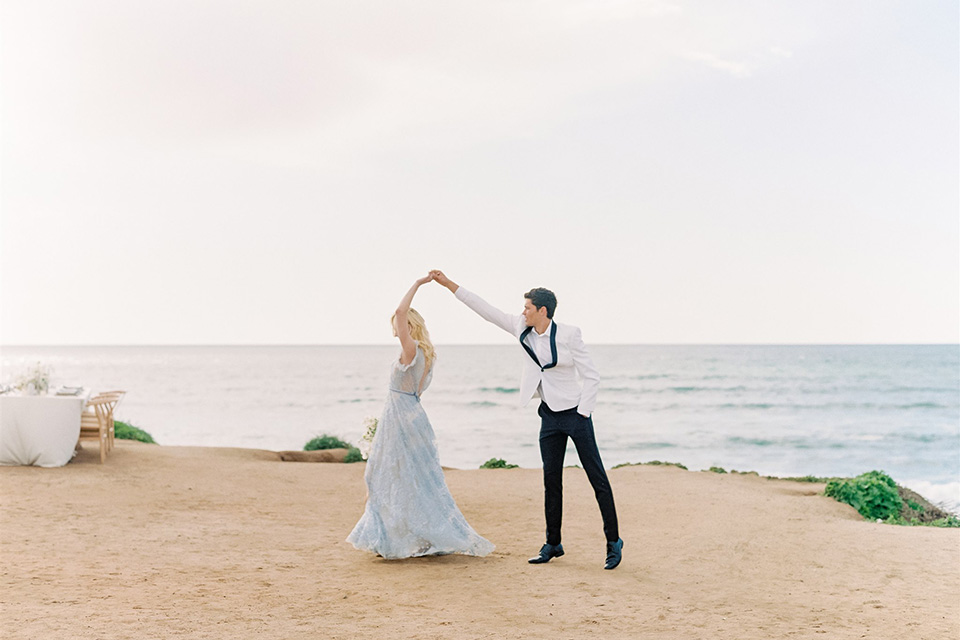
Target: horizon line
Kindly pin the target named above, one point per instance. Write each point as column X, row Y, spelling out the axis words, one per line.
column 494, row 344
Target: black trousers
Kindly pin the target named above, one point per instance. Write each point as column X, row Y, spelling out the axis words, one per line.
column 555, row 428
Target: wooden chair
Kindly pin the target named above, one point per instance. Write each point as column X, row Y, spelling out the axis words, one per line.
column 95, row 424
column 115, row 397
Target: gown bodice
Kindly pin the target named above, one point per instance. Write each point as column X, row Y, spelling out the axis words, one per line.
column 409, row 378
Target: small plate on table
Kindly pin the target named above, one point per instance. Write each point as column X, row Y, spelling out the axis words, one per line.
column 69, row 391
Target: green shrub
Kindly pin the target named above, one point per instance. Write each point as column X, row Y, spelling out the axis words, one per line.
column 874, row 494
column 718, row 469
column 126, row 431
column 497, row 463
column 325, row 442
column 353, row 455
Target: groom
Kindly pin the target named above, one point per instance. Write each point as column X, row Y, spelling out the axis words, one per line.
column 556, row 354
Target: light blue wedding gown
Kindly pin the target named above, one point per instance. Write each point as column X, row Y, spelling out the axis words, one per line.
column 410, row 511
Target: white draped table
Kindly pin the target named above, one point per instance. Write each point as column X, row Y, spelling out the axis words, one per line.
column 40, row 430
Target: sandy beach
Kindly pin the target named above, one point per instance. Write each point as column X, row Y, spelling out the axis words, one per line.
column 165, row 542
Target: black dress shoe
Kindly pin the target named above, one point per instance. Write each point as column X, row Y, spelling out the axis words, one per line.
column 614, row 554
column 547, row 552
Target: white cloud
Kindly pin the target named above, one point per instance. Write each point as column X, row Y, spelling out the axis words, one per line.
column 576, row 14
column 736, row 69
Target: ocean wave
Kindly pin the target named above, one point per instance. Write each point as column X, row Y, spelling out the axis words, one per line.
column 697, row 389
column 500, row 389
column 792, row 443
column 747, row 405
column 844, row 442
column 945, row 495
column 651, row 445
column 759, row 442
column 922, row 405
column 665, row 407
column 928, row 437
column 482, row 403
column 828, row 406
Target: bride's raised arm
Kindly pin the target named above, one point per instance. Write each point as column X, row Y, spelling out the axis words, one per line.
column 408, row 344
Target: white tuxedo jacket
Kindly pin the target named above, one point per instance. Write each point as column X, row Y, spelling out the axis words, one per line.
column 573, row 382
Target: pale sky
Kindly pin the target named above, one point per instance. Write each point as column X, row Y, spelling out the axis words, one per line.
column 225, row 172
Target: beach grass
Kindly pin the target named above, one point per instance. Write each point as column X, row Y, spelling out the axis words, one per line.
column 813, row 479
column 653, row 463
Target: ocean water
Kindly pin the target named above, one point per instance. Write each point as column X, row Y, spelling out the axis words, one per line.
column 777, row 410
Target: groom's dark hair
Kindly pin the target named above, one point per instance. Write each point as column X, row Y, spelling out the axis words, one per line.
column 541, row 297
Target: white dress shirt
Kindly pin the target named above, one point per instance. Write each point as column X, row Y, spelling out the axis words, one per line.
column 573, row 382
column 540, row 343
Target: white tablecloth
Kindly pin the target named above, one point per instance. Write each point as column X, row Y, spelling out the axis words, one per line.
column 39, row 430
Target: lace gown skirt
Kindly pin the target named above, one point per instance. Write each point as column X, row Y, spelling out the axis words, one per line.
column 409, row 510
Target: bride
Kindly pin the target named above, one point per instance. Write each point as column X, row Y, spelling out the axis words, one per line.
column 410, row 511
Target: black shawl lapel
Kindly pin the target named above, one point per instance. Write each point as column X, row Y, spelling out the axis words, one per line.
column 553, row 346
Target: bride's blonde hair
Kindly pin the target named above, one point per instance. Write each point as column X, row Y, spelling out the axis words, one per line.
column 418, row 331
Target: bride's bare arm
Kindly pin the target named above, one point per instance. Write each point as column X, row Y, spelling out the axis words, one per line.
column 407, row 343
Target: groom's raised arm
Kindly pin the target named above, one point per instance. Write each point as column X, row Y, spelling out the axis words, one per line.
column 511, row 324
